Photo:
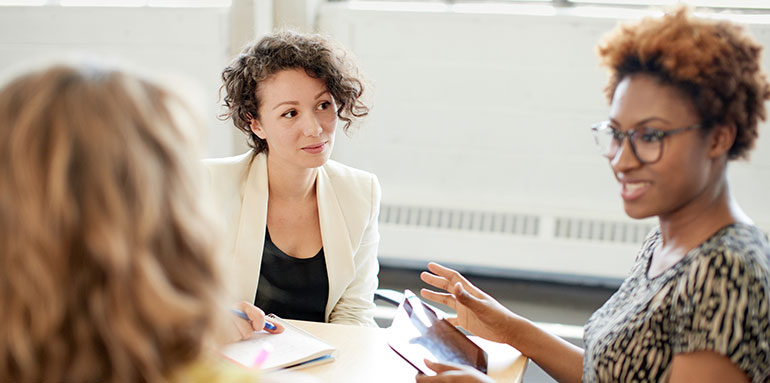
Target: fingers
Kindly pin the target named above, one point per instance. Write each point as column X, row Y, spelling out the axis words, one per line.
column 443, row 298
column 434, row 280
column 443, row 271
column 445, row 279
column 241, row 328
column 256, row 320
column 450, row 276
column 451, row 373
column 278, row 327
column 441, row 367
column 462, row 296
column 256, row 316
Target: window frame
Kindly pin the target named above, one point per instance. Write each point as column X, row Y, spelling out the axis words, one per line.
column 754, row 6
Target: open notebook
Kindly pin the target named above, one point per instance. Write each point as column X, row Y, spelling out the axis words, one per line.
column 293, row 348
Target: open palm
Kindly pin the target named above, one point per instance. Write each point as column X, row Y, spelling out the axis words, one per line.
column 477, row 312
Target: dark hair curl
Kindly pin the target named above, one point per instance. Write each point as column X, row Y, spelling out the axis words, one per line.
column 715, row 63
column 317, row 55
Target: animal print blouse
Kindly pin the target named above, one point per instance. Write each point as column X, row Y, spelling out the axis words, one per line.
column 716, row 298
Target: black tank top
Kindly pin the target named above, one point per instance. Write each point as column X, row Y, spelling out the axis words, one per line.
column 292, row 288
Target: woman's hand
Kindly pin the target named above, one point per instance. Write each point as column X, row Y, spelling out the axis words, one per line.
column 453, row 373
column 477, row 312
column 245, row 328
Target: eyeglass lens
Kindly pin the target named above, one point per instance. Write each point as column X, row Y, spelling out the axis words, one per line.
column 645, row 145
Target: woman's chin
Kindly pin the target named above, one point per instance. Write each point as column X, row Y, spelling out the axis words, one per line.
column 637, row 212
column 316, row 161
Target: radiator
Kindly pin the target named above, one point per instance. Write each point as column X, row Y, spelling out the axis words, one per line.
column 537, row 246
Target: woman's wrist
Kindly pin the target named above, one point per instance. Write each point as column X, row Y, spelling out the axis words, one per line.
column 518, row 331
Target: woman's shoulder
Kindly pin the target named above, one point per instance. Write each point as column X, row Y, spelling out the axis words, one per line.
column 738, row 244
column 739, row 253
column 232, row 162
column 228, row 173
column 346, row 179
column 359, row 189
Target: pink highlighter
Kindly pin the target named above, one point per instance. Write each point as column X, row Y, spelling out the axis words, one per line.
column 262, row 355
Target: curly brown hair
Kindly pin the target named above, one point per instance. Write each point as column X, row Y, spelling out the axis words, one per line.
column 319, row 56
column 715, row 63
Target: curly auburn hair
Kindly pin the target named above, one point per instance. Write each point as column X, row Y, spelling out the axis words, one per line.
column 320, row 57
column 108, row 269
column 715, row 63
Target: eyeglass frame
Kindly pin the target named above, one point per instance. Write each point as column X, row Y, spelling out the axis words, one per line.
column 660, row 135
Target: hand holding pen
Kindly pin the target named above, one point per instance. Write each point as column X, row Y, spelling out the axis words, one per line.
column 249, row 318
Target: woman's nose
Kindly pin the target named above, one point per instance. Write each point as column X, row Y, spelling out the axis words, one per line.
column 625, row 158
column 311, row 125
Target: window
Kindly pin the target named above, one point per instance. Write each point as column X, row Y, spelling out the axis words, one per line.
column 755, row 5
column 737, row 4
column 122, row 3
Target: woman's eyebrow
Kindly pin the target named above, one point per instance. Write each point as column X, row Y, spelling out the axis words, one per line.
column 292, row 102
column 650, row 119
column 642, row 122
column 284, row 103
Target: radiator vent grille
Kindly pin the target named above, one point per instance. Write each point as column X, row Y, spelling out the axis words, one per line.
column 458, row 219
column 515, row 224
column 600, row 230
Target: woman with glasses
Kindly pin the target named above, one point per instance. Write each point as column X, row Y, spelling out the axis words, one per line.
column 686, row 96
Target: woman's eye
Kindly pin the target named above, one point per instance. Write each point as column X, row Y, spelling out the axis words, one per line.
column 650, row 135
column 290, row 114
column 324, row 105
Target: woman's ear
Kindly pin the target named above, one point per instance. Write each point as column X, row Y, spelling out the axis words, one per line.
column 256, row 127
column 722, row 139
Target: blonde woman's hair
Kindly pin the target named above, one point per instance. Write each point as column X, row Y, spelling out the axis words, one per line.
column 107, row 266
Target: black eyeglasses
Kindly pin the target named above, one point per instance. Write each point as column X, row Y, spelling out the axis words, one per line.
column 646, row 143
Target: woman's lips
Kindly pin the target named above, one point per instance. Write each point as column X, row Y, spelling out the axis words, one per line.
column 315, row 149
column 634, row 190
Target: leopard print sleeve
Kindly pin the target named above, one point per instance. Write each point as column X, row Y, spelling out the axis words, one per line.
column 721, row 303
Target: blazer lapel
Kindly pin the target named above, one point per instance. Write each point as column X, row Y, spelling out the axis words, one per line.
column 250, row 240
column 338, row 250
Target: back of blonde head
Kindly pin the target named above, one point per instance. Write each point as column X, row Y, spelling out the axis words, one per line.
column 107, row 270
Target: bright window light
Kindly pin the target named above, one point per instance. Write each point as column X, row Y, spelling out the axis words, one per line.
column 627, row 2
column 190, row 4
column 756, row 4
column 506, row 8
column 103, row 3
column 412, row 6
column 748, row 4
column 23, row 2
column 124, row 3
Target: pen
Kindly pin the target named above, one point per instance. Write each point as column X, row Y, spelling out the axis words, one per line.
column 268, row 325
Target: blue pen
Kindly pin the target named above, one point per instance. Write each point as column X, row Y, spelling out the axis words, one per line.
column 268, row 325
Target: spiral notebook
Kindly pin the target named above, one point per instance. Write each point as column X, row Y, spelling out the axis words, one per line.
column 292, row 349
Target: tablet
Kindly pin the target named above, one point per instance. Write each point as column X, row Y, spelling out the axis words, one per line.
column 418, row 333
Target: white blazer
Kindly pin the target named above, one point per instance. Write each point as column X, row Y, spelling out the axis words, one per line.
column 348, row 208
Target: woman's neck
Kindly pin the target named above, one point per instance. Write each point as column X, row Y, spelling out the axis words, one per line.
column 287, row 182
column 697, row 221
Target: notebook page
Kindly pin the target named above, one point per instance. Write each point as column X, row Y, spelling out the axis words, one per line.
column 289, row 348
